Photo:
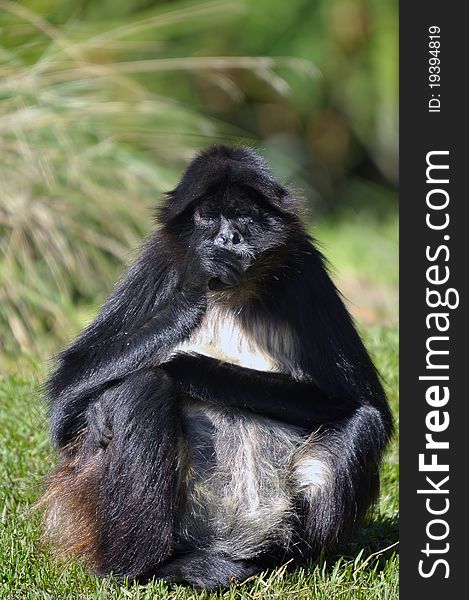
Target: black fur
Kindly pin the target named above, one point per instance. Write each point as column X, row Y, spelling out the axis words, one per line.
column 118, row 392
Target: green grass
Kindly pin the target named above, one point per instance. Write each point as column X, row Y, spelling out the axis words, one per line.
column 365, row 570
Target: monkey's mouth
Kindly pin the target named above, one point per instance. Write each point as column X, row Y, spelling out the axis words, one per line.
column 245, row 260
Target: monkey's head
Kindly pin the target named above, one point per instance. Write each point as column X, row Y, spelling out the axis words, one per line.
column 228, row 197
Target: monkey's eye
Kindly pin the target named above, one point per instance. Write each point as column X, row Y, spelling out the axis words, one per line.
column 246, row 215
column 245, row 219
column 204, row 218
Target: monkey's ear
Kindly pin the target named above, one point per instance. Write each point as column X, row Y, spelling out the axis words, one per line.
column 196, row 181
column 275, row 194
column 175, row 204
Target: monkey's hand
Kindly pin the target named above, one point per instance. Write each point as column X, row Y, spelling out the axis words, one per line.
column 213, row 267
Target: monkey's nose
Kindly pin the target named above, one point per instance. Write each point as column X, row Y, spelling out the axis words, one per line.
column 231, row 238
column 221, row 239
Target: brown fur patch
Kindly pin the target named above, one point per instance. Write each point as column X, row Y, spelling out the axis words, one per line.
column 70, row 508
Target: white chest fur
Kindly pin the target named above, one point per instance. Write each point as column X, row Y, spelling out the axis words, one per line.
column 222, row 336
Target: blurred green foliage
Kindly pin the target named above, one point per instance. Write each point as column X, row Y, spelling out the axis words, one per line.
column 102, row 103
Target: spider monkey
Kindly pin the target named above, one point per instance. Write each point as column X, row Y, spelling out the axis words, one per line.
column 221, row 413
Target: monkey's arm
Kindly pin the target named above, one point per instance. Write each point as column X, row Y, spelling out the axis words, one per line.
column 330, row 352
column 81, row 377
column 273, row 395
column 155, row 307
column 144, row 345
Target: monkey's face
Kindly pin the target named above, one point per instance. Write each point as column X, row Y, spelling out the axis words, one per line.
column 240, row 221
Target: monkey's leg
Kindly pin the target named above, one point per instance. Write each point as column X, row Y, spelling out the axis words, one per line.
column 111, row 500
column 336, row 475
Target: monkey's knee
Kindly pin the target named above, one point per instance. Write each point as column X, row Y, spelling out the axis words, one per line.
column 125, row 401
column 99, row 426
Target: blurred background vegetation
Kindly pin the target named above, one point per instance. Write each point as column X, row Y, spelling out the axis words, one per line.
column 102, row 103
